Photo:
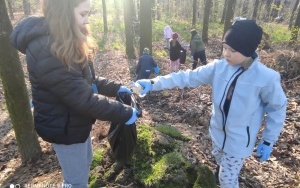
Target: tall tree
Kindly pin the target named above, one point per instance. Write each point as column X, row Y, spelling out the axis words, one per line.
column 245, row 8
column 267, row 10
column 224, row 11
column 10, row 10
column 295, row 30
column 207, row 8
column 145, row 25
column 293, row 14
column 15, row 92
column 104, row 17
column 230, row 6
column 214, row 16
column 26, row 7
column 275, row 9
column 194, row 12
column 128, row 19
column 255, row 9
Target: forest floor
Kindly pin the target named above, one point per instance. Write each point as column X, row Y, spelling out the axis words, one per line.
column 188, row 110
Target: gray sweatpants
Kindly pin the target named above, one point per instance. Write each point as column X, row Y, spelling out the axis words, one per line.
column 230, row 167
column 75, row 161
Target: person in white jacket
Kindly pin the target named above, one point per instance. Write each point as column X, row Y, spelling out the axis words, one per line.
column 244, row 94
column 167, row 36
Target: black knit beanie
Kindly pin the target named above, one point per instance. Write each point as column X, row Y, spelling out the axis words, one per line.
column 244, row 36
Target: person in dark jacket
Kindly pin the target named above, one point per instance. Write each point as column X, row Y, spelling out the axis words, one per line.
column 197, row 49
column 175, row 50
column 66, row 103
column 146, row 66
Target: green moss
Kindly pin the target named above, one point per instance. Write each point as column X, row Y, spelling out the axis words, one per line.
column 97, row 157
column 93, row 183
column 205, row 178
column 172, row 131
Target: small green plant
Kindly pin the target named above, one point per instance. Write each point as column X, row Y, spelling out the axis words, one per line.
column 172, row 131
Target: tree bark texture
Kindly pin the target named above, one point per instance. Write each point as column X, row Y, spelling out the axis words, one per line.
column 128, row 19
column 145, row 25
column 207, row 8
column 104, row 16
column 15, row 92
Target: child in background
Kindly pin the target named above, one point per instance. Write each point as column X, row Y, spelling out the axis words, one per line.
column 146, row 65
column 175, row 48
column 244, row 92
column 197, row 49
column 167, row 36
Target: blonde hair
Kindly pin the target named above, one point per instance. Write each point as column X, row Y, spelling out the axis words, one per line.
column 70, row 43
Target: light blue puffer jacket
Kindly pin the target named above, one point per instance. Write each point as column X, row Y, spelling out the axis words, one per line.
column 258, row 92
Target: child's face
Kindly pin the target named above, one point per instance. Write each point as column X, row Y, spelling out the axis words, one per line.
column 233, row 57
column 81, row 13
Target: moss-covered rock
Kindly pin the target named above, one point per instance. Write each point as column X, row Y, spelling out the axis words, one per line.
column 157, row 162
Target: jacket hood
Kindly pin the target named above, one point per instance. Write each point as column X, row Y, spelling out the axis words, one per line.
column 197, row 37
column 26, row 31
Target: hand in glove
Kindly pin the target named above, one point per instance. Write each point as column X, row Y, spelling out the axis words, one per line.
column 264, row 150
column 133, row 117
column 146, row 84
column 125, row 90
column 156, row 69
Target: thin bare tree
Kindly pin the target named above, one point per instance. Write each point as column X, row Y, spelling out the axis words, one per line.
column 15, row 92
column 207, row 8
column 295, row 30
column 104, row 17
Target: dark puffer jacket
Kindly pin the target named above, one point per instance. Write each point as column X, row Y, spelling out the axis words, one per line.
column 65, row 106
column 145, row 66
column 175, row 50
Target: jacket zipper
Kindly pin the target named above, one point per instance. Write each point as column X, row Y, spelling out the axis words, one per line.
column 224, row 117
column 248, row 134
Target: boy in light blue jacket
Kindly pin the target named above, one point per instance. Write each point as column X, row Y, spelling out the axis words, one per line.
column 243, row 92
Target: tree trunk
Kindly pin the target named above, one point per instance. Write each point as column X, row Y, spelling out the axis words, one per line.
column 15, row 92
column 214, row 16
column 275, row 9
column 194, row 12
column 293, row 14
column 295, row 30
column 128, row 19
column 255, row 9
column 10, row 10
column 230, row 6
column 245, row 8
column 207, row 8
column 104, row 17
column 224, row 11
column 267, row 10
column 26, row 7
column 117, row 18
column 145, row 25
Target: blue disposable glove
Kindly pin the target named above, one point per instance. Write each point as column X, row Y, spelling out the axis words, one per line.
column 133, row 117
column 156, row 69
column 264, row 150
column 125, row 90
column 146, row 84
